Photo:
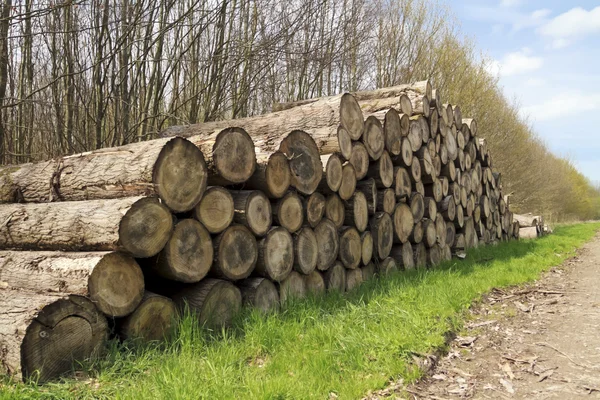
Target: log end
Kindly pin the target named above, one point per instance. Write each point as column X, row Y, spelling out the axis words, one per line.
column 234, row 157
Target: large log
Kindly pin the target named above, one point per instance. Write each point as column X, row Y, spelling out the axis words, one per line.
column 187, row 256
column 259, row 293
column 213, row 301
column 275, row 254
column 113, row 281
column 145, row 168
column 215, row 210
column 138, row 226
column 154, row 319
column 43, row 334
column 236, row 253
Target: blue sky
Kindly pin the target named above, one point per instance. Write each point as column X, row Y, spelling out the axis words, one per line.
column 547, row 54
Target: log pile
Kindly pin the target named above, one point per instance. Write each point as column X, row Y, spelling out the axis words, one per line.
column 531, row 226
column 318, row 195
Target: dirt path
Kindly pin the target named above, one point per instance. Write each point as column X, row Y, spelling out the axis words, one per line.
column 537, row 342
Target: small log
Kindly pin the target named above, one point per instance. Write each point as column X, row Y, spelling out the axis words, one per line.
column 405, row 158
column 403, row 255
column 42, row 334
column 153, row 320
column 113, row 281
column 382, row 230
column 332, row 180
column 357, row 212
column 387, row 267
column 416, row 236
column 419, row 188
column 430, row 208
column 348, row 185
column 138, row 226
column 369, row 189
column 435, row 190
column 402, row 183
column 314, row 283
column 403, row 223
column 359, row 158
column 328, row 244
column 372, row 137
column 382, row 171
column 415, row 170
column 315, row 209
column 253, row 210
column 215, row 302
column 236, row 253
column 216, row 209
column 275, row 254
column 353, row 279
column 449, row 171
column 429, row 233
column 395, row 127
column 350, row 247
column 368, row 272
column 188, row 255
column 450, row 234
column 292, row 287
column 335, row 278
column 366, row 240
column 289, row 212
column 386, row 200
column 420, row 255
column 415, row 136
column 459, row 219
column 259, row 293
column 417, row 206
column 272, row 175
column 440, row 230
column 447, row 208
column 434, row 256
column 426, row 164
column 335, row 210
column 528, row 232
column 305, row 250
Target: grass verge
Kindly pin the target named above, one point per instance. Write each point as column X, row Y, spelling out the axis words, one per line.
column 340, row 344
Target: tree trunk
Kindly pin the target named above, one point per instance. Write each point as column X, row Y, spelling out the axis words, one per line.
column 145, row 168
column 42, row 334
column 138, row 226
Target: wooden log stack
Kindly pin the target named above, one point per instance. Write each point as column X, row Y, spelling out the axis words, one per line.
column 318, row 195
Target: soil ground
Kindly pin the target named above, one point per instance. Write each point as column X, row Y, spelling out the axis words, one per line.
column 541, row 341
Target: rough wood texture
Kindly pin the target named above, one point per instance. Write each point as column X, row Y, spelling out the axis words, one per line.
column 359, row 158
column 354, row 278
column 387, row 266
column 395, row 127
column 369, row 189
column 335, row 210
column 348, row 185
column 306, row 250
column 372, row 138
column 350, row 247
column 366, row 240
column 386, row 200
column 357, row 212
column 328, row 244
column 113, row 281
column 382, row 171
column 188, row 255
column 230, row 156
column 213, row 301
column 42, row 334
column 275, row 254
column 429, row 233
column 420, row 255
column 139, row 226
column 253, row 210
column 368, row 272
column 403, row 255
column 272, row 175
column 402, row 183
column 333, row 172
column 292, row 287
column 137, row 169
column 154, row 319
column 382, row 230
column 314, row 283
column 335, row 277
column 403, row 223
column 259, row 293
column 289, row 212
column 417, row 206
column 315, row 208
column 215, row 210
column 236, row 253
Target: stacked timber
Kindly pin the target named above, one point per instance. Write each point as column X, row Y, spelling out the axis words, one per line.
column 531, row 226
column 319, row 195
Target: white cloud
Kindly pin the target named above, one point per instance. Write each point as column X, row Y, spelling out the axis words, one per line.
column 516, row 63
column 563, row 105
column 510, row 3
column 541, row 13
column 573, row 24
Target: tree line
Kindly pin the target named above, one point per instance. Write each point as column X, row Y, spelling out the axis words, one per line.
column 77, row 75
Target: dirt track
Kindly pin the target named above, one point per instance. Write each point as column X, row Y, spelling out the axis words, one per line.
column 537, row 342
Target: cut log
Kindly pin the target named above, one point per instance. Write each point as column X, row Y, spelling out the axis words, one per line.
column 144, row 168
column 289, row 212
column 416, row 236
column 402, row 183
column 434, row 256
column 188, row 255
column 429, row 233
column 415, row 136
column 216, row 209
column 353, row 279
column 366, row 240
column 387, row 267
column 43, row 334
column 253, row 210
column 459, row 219
column 405, row 158
column 305, row 251
column 275, row 254
column 450, row 234
column 424, row 158
column 403, row 223
column 368, row 188
column 231, row 158
column 415, row 170
column 449, row 171
column 335, row 278
column 328, row 244
column 451, row 145
column 419, row 188
column 292, row 287
column 382, row 171
column 349, row 252
column 417, row 206
column 386, row 200
column 430, row 208
column 359, row 158
column 395, row 127
column 357, row 212
column 138, row 226
column 382, row 230
column 440, row 230
column 335, row 210
column 315, row 209
column 372, row 137
column 153, row 320
column 528, row 232
column 314, row 283
column 435, row 190
column 447, row 208
column 259, row 293
column 236, row 253
column 348, row 185
column 403, row 255
column 333, row 172
column 304, row 161
column 472, row 124
column 113, row 281
column 214, row 302
column 272, row 175
column 368, row 272
column 420, row 255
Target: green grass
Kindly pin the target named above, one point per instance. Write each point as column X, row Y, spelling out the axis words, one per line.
column 343, row 344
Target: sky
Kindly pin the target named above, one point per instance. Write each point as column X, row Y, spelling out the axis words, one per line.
column 547, row 55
